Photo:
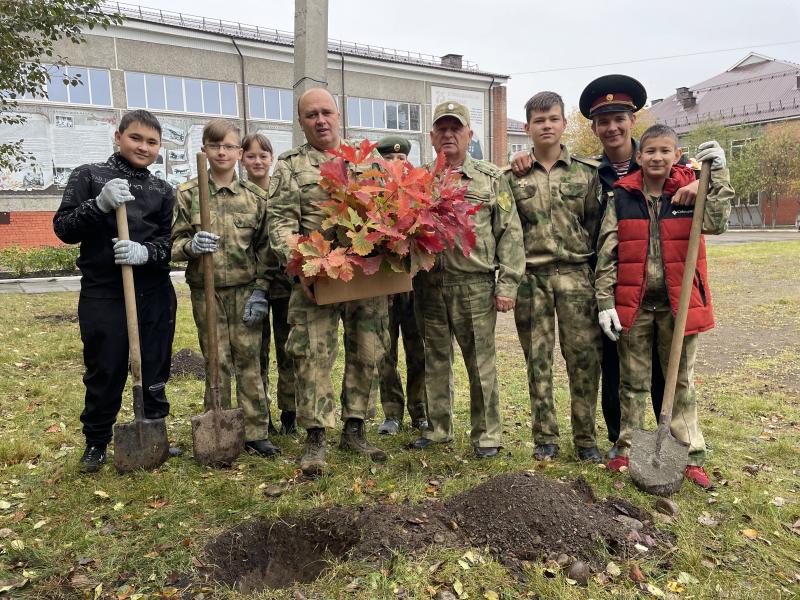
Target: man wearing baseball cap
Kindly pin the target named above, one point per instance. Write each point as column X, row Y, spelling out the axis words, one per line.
column 461, row 295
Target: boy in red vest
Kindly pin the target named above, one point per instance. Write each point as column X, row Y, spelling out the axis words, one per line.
column 642, row 246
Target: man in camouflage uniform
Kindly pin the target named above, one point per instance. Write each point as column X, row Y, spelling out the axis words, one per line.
column 402, row 320
column 559, row 207
column 460, row 298
column 294, row 207
column 241, row 254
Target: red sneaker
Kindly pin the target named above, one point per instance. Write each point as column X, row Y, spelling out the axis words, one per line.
column 616, row 463
column 698, row 475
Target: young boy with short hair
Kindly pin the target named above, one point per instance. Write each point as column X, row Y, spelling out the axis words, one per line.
column 240, row 250
column 87, row 217
column 643, row 242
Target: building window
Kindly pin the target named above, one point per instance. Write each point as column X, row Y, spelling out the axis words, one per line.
column 94, row 88
column 381, row 114
column 737, row 146
column 270, row 104
column 181, row 94
column 518, row 148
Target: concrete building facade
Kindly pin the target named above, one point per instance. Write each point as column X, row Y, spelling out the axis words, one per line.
column 188, row 69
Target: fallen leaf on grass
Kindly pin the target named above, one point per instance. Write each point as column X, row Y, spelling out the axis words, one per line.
column 157, row 503
column 101, row 494
column 14, row 585
column 675, row 587
column 119, row 506
column 749, row 533
column 636, row 574
column 6, row 532
column 458, row 587
column 40, row 524
column 613, row 569
column 778, row 501
column 685, row 578
column 491, row 595
column 18, row 545
column 652, row 590
column 5, row 505
column 706, row 519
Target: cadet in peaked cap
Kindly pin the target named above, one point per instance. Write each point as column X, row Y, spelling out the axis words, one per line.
column 612, row 93
column 394, row 147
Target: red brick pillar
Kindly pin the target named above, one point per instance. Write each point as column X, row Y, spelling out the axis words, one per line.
column 499, row 126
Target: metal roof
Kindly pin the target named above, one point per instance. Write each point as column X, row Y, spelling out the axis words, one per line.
column 755, row 90
column 285, row 38
column 514, row 126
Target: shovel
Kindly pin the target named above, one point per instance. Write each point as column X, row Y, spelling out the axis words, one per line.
column 142, row 443
column 657, row 459
column 217, row 435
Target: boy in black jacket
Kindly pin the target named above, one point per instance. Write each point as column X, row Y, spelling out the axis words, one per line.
column 87, row 216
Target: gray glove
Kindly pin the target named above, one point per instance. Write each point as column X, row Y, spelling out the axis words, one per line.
column 256, row 308
column 128, row 252
column 711, row 151
column 114, row 192
column 609, row 323
column 204, row 242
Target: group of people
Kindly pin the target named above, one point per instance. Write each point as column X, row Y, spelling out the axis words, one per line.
column 596, row 242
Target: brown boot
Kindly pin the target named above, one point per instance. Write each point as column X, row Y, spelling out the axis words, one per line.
column 353, row 439
column 312, row 463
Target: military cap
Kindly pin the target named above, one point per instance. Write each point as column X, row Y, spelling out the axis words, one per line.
column 449, row 108
column 394, row 144
column 612, row 93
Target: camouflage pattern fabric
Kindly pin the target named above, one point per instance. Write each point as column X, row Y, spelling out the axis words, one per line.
column 635, row 364
column 313, row 344
column 279, row 330
column 565, row 291
column 239, row 348
column 403, row 320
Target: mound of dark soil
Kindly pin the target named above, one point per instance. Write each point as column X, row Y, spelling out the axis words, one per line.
column 188, row 363
column 520, row 516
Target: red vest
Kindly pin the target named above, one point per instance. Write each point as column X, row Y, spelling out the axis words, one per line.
column 674, row 224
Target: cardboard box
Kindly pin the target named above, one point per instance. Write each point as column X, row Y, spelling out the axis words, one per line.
column 329, row 291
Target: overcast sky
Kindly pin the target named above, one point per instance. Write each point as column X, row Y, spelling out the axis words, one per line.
column 513, row 37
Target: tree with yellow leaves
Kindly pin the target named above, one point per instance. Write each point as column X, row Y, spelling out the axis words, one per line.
column 581, row 140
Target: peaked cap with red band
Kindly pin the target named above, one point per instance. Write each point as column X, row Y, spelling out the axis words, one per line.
column 612, row 93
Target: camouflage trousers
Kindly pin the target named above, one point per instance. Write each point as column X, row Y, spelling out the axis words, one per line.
column 568, row 292
column 239, row 348
column 635, row 351
column 313, row 344
column 460, row 306
column 279, row 331
column 403, row 320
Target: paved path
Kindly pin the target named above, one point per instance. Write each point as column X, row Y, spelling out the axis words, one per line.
column 748, row 236
column 39, row 285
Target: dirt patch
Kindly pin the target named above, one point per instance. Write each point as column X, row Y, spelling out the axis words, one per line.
column 38, row 274
column 58, row 318
column 188, row 363
column 520, row 516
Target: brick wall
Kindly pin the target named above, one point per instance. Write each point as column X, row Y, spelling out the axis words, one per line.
column 28, row 229
column 786, row 213
column 499, row 126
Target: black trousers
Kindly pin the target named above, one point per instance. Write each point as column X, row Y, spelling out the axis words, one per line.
column 105, row 354
column 610, row 387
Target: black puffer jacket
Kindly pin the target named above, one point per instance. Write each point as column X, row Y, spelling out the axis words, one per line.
column 79, row 220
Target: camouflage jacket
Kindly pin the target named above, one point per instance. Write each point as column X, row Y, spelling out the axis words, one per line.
column 239, row 217
column 560, row 210
column 497, row 229
column 295, row 197
column 280, row 285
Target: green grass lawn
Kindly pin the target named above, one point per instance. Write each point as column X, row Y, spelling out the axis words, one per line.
column 64, row 535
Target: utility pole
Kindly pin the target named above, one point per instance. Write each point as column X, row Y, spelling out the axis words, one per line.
column 310, row 52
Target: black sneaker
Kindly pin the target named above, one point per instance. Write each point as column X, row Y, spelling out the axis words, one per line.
column 93, row 458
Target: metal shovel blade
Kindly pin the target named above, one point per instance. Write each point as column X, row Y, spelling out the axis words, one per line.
column 657, row 472
column 140, row 444
column 218, row 436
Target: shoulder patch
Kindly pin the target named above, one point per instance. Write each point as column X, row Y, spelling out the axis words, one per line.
column 488, row 168
column 249, row 185
column 586, row 161
column 290, row 152
column 504, row 201
column 188, row 185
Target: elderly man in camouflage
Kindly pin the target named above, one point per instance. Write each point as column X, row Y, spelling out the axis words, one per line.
column 294, row 207
column 460, row 297
column 559, row 206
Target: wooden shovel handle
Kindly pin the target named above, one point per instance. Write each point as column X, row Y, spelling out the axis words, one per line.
column 678, row 331
column 212, row 333
column 129, row 290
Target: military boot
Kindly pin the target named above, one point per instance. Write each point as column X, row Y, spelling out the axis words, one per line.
column 312, row 463
column 353, row 439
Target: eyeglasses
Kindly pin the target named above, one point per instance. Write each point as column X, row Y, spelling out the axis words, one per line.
column 218, row 147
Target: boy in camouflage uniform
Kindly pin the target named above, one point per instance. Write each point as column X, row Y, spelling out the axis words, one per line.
column 460, row 298
column 643, row 244
column 295, row 199
column 559, row 207
column 241, row 252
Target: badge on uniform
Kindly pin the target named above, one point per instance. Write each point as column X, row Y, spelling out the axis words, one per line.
column 504, row 201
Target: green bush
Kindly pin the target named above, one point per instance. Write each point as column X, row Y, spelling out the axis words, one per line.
column 47, row 259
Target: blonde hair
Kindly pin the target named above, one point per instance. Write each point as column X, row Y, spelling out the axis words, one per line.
column 216, row 130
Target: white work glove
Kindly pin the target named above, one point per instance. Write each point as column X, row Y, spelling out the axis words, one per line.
column 256, row 308
column 114, row 192
column 128, row 252
column 711, row 151
column 203, row 242
column 609, row 323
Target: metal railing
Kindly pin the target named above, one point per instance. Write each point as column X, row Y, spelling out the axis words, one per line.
column 274, row 36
